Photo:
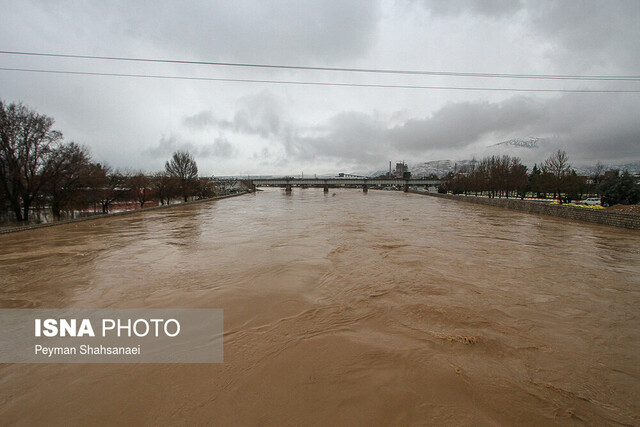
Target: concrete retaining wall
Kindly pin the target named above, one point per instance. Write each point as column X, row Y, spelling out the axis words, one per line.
column 101, row 216
column 614, row 219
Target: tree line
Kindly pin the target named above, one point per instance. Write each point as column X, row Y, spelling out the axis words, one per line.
column 38, row 170
column 506, row 176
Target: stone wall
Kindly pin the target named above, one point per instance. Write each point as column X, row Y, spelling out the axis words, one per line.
column 615, row 219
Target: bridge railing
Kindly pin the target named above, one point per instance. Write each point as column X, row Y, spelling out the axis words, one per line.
column 345, row 181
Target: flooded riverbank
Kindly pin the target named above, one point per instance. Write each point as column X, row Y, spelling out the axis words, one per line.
column 7, row 227
column 378, row 308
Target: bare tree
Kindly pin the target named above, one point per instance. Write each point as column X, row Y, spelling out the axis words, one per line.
column 535, row 181
column 140, row 188
column 182, row 167
column 598, row 175
column 205, row 188
column 598, row 172
column 498, row 175
column 4, row 207
column 26, row 140
column 105, row 185
column 557, row 165
column 67, row 165
column 518, row 178
column 163, row 185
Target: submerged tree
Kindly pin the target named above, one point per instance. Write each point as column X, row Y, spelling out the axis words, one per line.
column 104, row 185
column 3, row 202
column 183, row 169
column 163, row 187
column 26, row 141
column 205, row 188
column 140, row 188
column 67, row 167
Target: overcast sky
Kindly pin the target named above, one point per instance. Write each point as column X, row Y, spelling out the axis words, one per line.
column 260, row 128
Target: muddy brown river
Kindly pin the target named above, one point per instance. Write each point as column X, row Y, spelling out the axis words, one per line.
column 342, row 309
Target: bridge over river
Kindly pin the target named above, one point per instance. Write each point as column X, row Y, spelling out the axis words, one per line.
column 365, row 183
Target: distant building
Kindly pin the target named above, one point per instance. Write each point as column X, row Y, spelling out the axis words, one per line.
column 402, row 170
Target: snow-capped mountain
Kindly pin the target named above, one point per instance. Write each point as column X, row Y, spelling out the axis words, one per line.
column 529, row 142
column 530, row 150
column 442, row 167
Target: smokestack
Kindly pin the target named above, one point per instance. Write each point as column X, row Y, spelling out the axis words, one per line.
column 389, row 167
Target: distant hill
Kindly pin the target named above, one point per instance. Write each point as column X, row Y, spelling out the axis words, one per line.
column 438, row 167
column 530, row 150
column 633, row 167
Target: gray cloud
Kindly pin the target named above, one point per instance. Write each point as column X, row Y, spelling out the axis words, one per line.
column 367, row 139
column 167, row 146
column 282, row 126
column 347, row 137
column 486, row 7
column 599, row 34
column 264, row 154
column 200, row 121
column 261, row 114
column 581, row 35
column 461, row 124
column 597, row 127
column 266, row 31
column 220, row 147
column 588, row 127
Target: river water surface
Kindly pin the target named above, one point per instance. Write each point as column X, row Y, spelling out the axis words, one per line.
column 342, row 308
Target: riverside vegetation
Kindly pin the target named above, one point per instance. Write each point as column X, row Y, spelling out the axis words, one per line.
column 39, row 171
column 506, row 176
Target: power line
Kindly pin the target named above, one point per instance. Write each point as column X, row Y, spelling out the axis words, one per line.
column 310, row 83
column 352, row 70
